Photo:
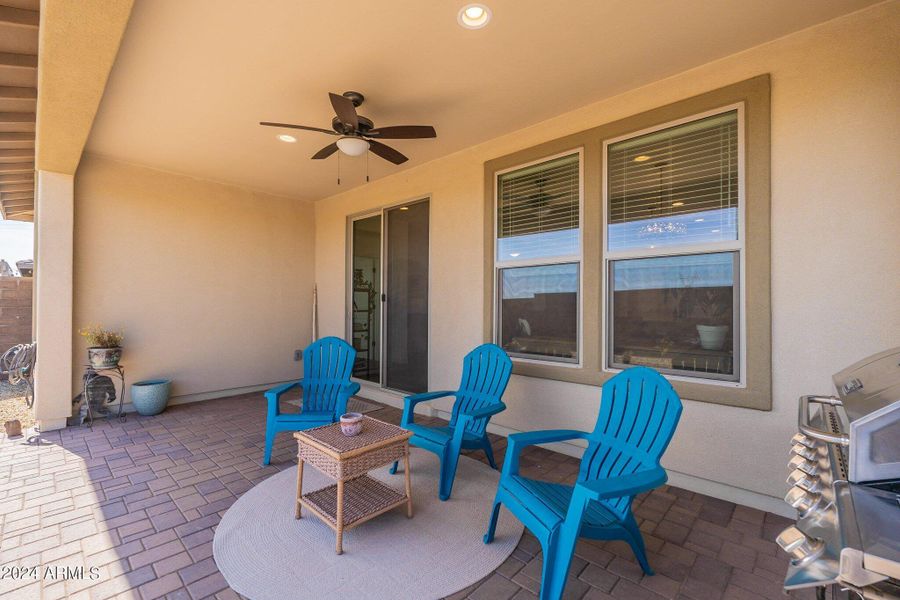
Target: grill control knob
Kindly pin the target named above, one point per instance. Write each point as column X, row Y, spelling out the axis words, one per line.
column 805, row 502
column 807, row 466
column 802, row 479
column 804, row 440
column 802, row 548
column 805, row 452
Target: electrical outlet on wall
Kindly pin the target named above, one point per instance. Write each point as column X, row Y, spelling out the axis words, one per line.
column 298, row 354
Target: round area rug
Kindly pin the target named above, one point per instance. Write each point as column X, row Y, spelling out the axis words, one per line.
column 264, row 553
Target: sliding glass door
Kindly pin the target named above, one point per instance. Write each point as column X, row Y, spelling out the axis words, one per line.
column 365, row 305
column 406, row 343
column 388, row 303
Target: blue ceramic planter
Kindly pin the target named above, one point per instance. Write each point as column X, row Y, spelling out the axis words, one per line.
column 150, row 397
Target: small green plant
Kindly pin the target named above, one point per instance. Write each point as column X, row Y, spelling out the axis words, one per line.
column 97, row 337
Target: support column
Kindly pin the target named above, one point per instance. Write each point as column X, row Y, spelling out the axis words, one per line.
column 53, row 281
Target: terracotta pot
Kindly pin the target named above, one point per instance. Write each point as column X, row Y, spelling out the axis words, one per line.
column 104, row 358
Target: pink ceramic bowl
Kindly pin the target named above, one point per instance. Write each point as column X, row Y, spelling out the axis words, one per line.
column 351, row 424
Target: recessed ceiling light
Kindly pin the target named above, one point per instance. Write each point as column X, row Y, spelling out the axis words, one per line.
column 642, row 158
column 679, row 203
column 287, row 138
column 474, row 16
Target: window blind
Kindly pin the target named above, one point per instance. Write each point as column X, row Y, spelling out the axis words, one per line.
column 538, row 199
column 686, row 169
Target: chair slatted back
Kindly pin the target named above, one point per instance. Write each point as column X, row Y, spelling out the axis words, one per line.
column 486, row 371
column 327, row 366
column 639, row 411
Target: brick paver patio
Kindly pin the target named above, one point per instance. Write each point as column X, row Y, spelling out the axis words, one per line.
column 136, row 504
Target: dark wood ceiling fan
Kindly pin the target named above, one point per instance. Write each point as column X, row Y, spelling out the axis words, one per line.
column 349, row 125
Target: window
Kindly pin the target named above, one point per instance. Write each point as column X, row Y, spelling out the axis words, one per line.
column 655, row 251
column 674, row 248
column 538, row 259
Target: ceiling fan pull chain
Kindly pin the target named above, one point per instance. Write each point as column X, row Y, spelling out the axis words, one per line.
column 367, row 167
column 339, row 168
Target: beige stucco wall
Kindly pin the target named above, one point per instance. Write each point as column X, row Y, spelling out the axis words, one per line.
column 212, row 284
column 835, row 250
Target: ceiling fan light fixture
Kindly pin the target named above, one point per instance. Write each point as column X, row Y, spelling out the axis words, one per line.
column 474, row 16
column 353, row 146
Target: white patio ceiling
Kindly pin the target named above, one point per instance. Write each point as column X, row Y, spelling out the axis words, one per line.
column 193, row 79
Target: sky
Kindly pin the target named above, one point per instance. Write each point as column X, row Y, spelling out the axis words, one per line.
column 16, row 241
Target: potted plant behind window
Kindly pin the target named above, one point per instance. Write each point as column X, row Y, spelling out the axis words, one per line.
column 713, row 305
column 104, row 346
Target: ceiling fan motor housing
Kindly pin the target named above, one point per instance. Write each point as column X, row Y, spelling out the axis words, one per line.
column 364, row 125
column 355, row 97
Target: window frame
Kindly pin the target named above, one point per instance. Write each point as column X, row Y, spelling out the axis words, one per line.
column 756, row 276
column 738, row 245
column 577, row 259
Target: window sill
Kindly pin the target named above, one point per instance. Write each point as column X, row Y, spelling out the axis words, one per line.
column 727, row 393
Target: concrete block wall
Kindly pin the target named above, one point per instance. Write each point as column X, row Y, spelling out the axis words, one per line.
column 15, row 311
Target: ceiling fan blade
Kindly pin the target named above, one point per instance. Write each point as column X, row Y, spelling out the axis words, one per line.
column 402, row 132
column 307, row 128
column 386, row 152
column 326, row 151
column 344, row 109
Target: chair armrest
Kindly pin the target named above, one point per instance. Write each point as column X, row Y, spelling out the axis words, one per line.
column 486, row 411
column 466, row 417
column 277, row 391
column 427, row 396
column 409, row 404
column 624, row 485
column 344, row 394
column 517, row 441
column 274, row 394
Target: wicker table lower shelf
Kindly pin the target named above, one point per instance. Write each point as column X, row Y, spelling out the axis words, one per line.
column 364, row 498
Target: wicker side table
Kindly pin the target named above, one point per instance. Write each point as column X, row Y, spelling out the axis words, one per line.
column 355, row 497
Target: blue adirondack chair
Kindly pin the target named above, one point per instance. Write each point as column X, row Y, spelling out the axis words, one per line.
column 486, row 371
column 639, row 411
column 326, row 385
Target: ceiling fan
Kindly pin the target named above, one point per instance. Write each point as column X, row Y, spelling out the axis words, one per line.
column 359, row 134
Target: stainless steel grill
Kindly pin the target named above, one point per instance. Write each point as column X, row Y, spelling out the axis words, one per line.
column 845, row 485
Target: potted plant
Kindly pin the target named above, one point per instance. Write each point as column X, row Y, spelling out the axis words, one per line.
column 713, row 305
column 104, row 346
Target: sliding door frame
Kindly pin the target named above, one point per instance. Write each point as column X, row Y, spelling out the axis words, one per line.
column 385, row 293
column 348, row 281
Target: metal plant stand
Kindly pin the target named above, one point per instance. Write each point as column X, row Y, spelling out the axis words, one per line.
column 90, row 374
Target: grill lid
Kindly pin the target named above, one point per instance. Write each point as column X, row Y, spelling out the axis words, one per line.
column 870, row 384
